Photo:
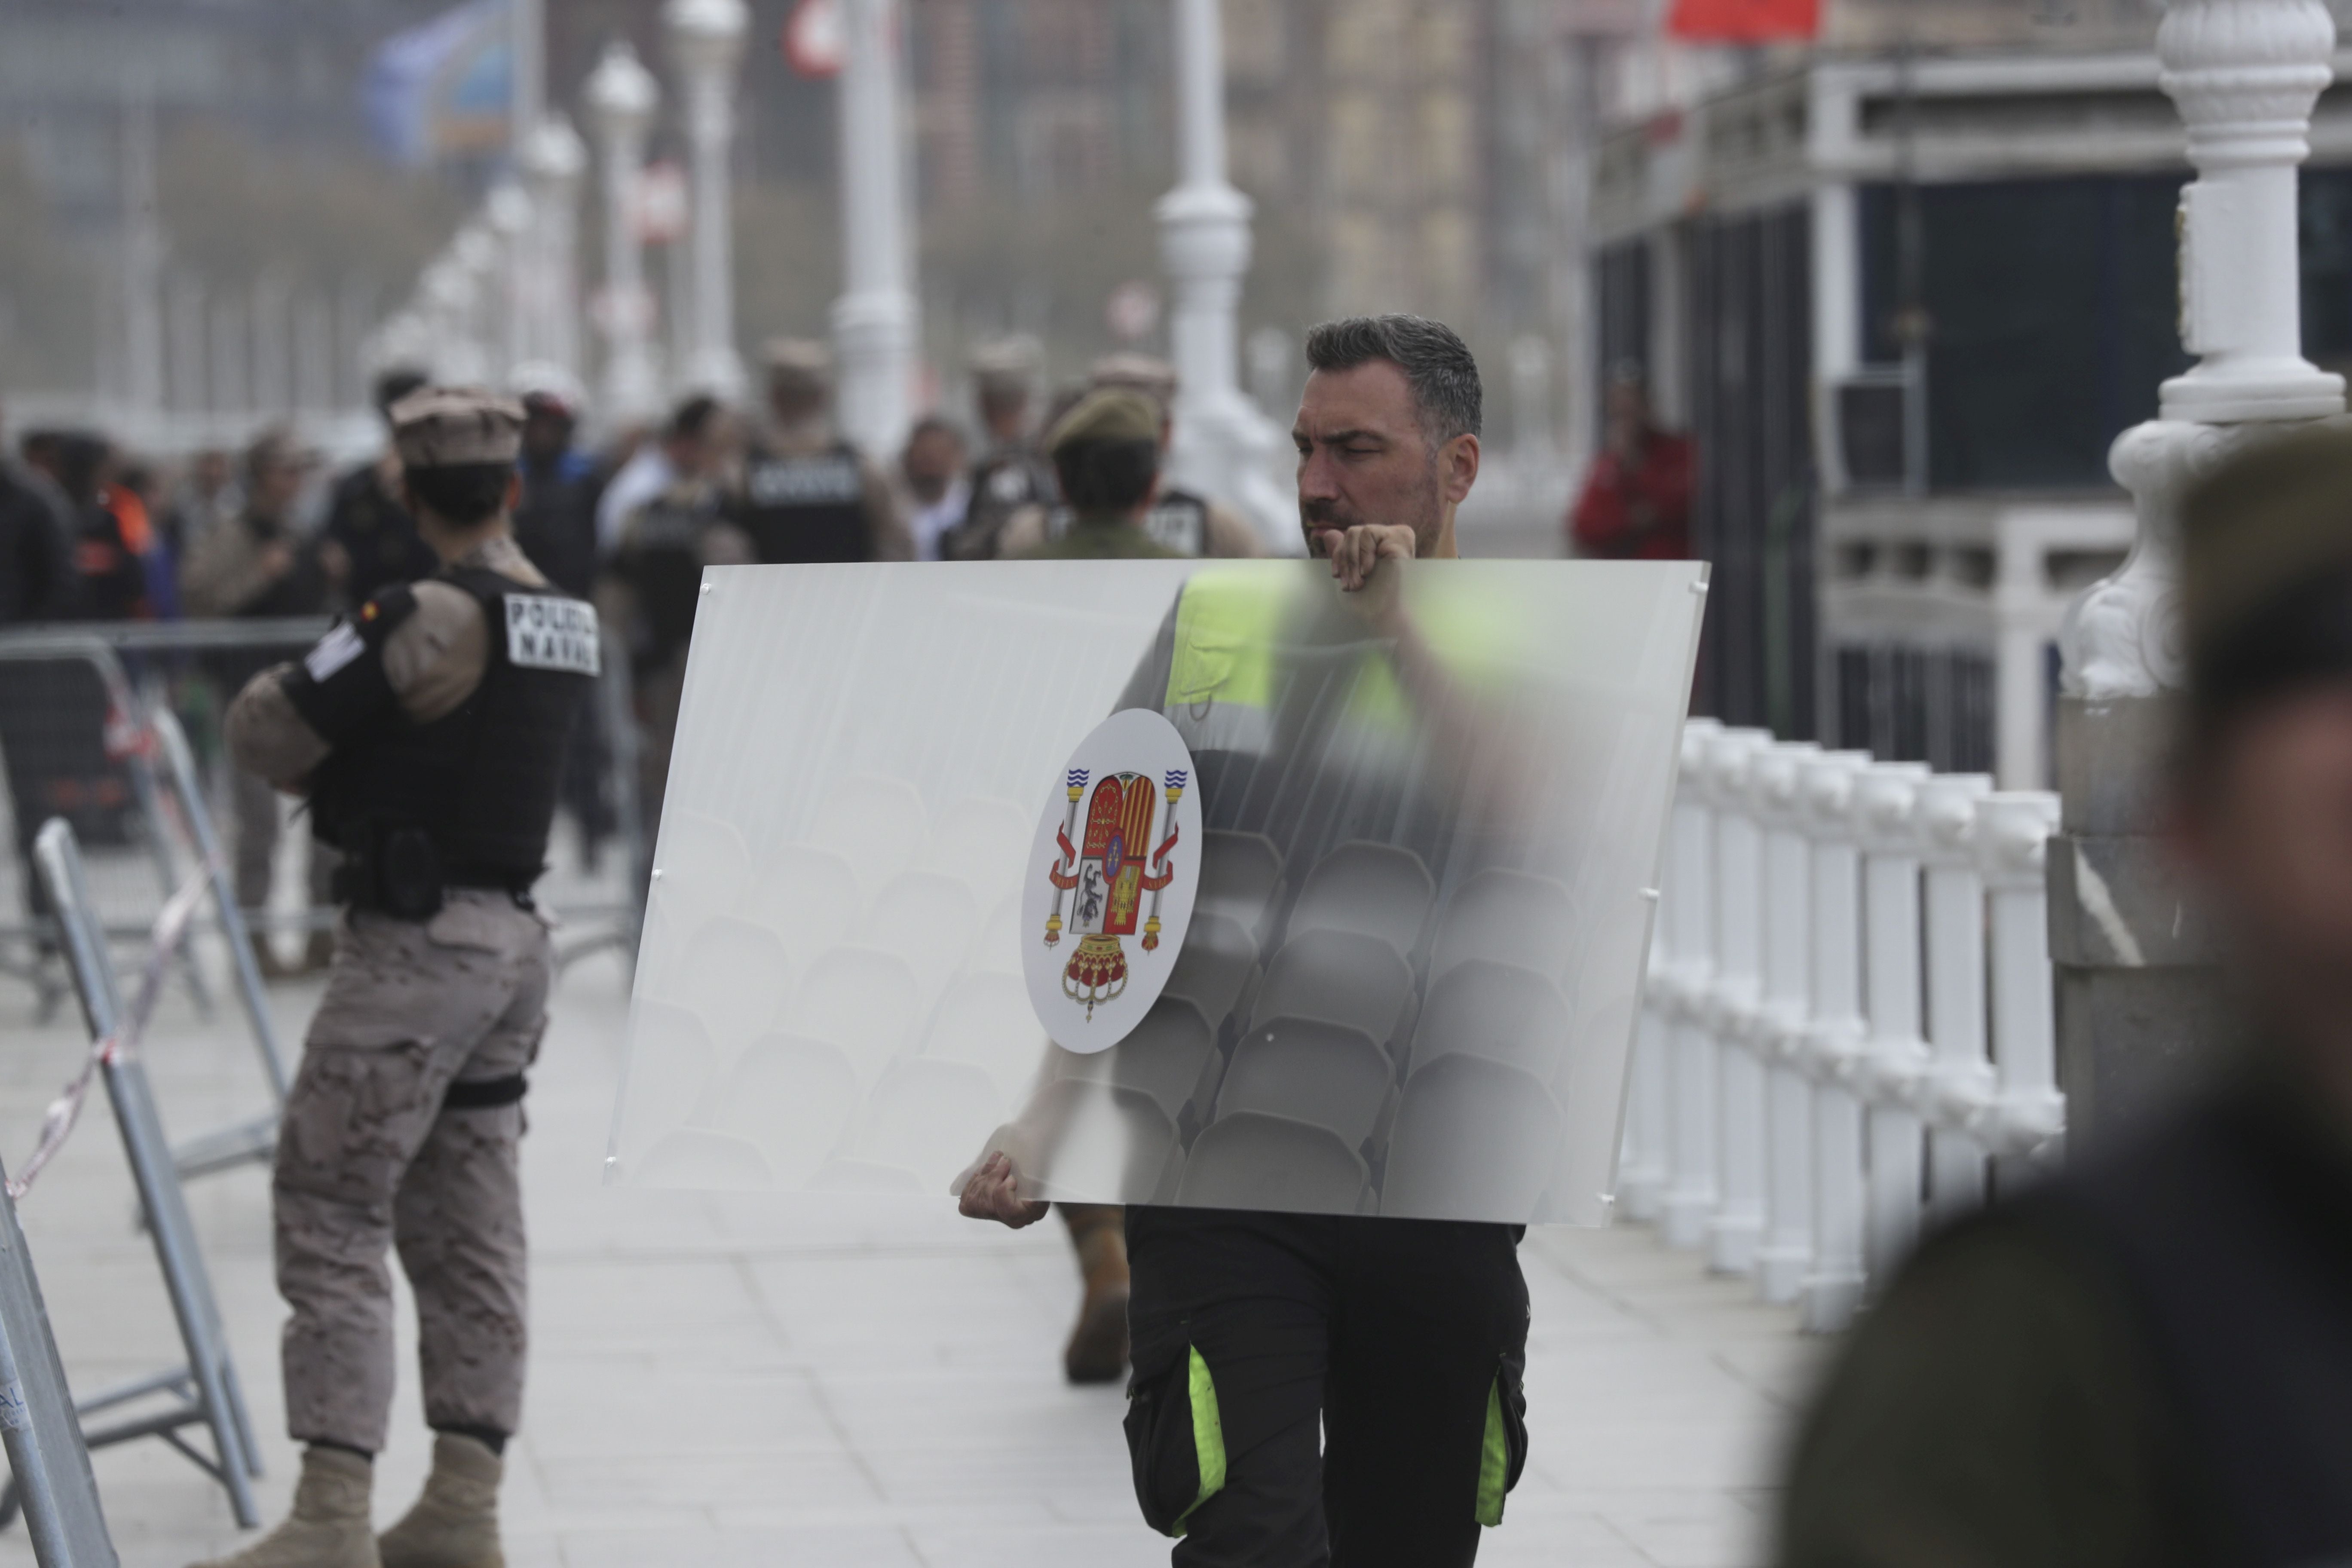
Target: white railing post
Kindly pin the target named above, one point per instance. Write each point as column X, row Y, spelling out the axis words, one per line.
column 1788, row 1246
column 1887, row 801
column 1691, row 1075
column 2013, row 831
column 1734, row 999
column 1960, row 1077
column 1834, row 1036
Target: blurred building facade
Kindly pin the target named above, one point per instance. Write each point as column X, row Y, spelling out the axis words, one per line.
column 1906, row 287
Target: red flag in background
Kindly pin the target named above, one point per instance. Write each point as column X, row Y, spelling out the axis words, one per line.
column 1744, row 21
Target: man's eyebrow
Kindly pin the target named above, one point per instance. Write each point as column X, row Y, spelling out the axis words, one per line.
column 1339, row 437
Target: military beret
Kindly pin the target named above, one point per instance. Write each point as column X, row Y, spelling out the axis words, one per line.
column 442, row 427
column 2266, row 566
column 1112, row 415
column 798, row 361
column 1155, row 378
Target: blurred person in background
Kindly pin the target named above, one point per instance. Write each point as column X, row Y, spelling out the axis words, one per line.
column 366, row 518
column 1636, row 501
column 36, row 575
column 933, row 489
column 110, row 534
column 135, row 496
column 206, row 494
column 555, row 524
column 1187, row 525
column 2147, row 1361
column 652, row 584
column 1014, row 472
column 808, row 494
column 257, row 565
column 36, row 586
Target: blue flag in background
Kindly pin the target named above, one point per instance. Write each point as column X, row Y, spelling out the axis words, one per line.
column 442, row 89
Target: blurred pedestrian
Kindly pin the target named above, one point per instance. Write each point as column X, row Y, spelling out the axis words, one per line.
column 555, row 525
column 111, row 533
column 426, row 732
column 2148, row 1360
column 36, row 576
column 651, row 588
column 135, row 494
column 1637, row 500
column 1188, row 524
column 1105, row 456
column 1012, row 474
column 808, row 494
column 206, row 494
column 42, row 751
column 933, row 489
column 256, row 566
column 366, row 518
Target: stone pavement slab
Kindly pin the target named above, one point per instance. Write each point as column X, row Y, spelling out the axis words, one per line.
column 729, row 1378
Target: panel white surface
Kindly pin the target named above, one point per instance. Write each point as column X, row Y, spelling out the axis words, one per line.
column 1409, row 983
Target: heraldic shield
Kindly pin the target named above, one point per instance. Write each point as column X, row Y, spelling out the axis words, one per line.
column 1112, row 882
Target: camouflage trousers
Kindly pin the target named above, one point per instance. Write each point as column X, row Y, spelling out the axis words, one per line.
column 369, row 1158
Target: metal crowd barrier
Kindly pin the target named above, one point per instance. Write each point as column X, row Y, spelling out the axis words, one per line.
column 1847, row 1028
column 203, row 1391
column 48, row 1463
column 94, row 726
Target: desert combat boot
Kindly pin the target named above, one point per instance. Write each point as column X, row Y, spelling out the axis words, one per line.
column 329, row 1527
column 454, row 1523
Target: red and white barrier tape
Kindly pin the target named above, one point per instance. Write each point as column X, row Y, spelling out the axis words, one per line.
column 163, row 940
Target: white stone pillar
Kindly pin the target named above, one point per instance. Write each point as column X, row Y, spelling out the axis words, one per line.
column 507, row 211
column 1960, row 1077
column 1835, row 1037
column 705, row 40
column 874, row 320
column 1735, row 1001
column 1787, row 1246
column 2244, row 75
column 1691, row 1186
column 553, row 162
column 621, row 97
column 1223, row 445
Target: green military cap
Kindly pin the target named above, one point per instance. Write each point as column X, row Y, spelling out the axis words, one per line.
column 1153, row 377
column 443, row 426
column 1115, row 413
column 801, row 362
column 2266, row 566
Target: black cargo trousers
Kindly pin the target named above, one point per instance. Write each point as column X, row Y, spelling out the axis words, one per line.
column 1312, row 1389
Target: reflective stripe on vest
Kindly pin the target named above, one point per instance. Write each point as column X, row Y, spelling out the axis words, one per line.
column 1208, row 1436
column 1493, row 1460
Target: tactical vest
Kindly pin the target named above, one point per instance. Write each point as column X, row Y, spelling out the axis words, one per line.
column 807, row 508
column 479, row 783
column 1178, row 521
column 1002, row 484
column 661, row 559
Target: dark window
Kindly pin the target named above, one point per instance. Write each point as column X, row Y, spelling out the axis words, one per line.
column 2052, row 313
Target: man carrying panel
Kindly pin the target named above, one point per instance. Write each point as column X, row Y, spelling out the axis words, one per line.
column 427, row 732
column 1313, row 1388
column 808, row 494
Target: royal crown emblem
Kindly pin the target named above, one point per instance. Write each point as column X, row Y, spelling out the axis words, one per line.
column 1117, row 862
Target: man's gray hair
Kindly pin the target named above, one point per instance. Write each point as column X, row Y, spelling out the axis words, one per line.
column 1435, row 360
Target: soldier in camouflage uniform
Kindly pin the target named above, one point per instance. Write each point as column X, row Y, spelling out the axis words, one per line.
column 427, row 732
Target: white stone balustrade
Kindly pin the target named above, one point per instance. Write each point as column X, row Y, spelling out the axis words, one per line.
column 1847, row 1026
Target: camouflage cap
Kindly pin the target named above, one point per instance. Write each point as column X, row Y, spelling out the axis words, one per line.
column 443, row 426
column 2266, row 564
column 1155, row 378
column 1008, row 363
column 798, row 364
column 1114, row 413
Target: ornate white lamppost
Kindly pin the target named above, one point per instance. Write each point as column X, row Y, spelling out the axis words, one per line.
column 874, row 320
column 621, row 97
column 552, row 161
column 1223, row 445
column 705, row 40
column 2134, row 992
column 508, row 210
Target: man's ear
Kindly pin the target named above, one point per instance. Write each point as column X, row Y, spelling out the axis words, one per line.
column 1458, row 465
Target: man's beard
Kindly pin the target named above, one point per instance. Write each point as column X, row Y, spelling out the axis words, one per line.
column 1420, row 510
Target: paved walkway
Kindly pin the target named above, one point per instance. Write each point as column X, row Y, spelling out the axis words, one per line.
column 730, row 1380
